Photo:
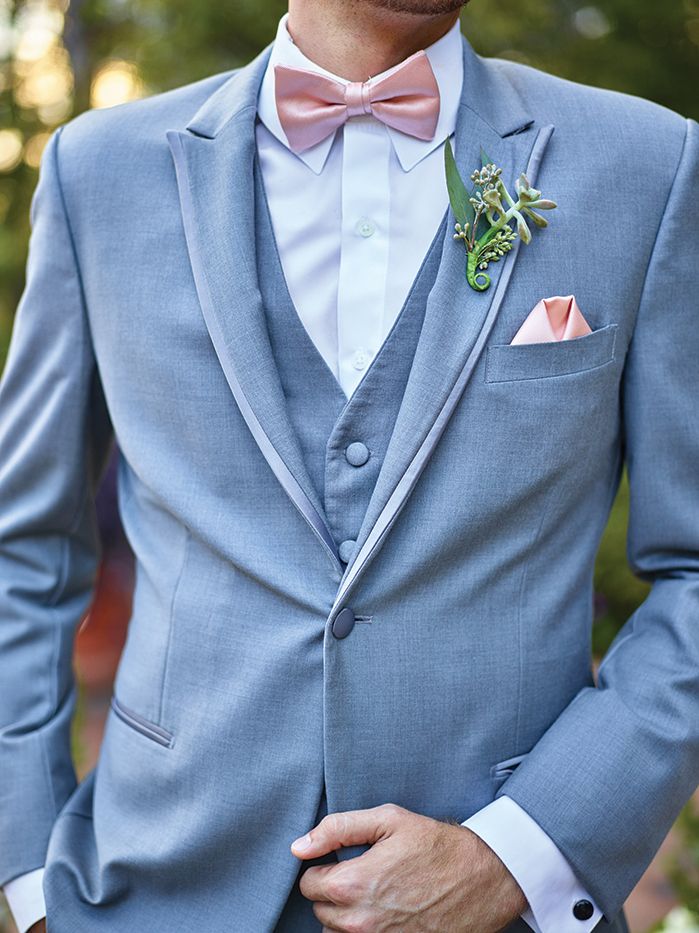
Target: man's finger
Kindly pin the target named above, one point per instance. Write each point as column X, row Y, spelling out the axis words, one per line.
column 342, row 885
column 349, row 828
column 338, row 918
column 313, row 884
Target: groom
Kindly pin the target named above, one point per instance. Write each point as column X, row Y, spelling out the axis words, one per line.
column 364, row 497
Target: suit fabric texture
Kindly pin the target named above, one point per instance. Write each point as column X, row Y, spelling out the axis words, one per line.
column 468, row 673
column 326, row 423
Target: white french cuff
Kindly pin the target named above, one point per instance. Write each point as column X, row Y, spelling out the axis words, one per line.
column 557, row 901
column 25, row 898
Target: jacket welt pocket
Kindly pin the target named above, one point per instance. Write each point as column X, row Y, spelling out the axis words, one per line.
column 503, row 769
column 517, row 362
column 144, row 726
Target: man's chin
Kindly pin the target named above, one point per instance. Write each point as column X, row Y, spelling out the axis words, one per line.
column 419, row 7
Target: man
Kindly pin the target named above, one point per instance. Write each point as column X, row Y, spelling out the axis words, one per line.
column 364, row 496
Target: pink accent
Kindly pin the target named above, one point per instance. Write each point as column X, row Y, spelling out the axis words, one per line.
column 357, row 99
column 556, row 318
column 311, row 106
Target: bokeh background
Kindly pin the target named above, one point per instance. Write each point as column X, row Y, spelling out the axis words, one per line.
column 60, row 57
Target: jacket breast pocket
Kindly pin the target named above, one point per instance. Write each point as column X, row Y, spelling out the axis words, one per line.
column 508, row 362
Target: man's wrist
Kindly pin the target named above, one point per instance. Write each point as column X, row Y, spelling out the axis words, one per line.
column 486, row 872
column 554, row 895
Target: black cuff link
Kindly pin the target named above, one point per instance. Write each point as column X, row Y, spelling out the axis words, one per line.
column 583, row 910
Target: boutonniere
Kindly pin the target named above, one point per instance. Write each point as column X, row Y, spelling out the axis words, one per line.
column 489, row 200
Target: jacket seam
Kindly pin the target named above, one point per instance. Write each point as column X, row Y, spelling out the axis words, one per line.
column 66, row 216
column 662, row 218
column 79, row 510
column 47, row 771
column 171, row 621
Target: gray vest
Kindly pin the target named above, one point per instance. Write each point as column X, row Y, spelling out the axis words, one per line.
column 343, row 441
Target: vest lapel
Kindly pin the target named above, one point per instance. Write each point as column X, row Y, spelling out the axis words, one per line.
column 214, row 161
column 458, row 319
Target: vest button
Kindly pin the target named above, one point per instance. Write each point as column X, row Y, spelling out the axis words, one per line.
column 344, row 623
column 583, row 910
column 357, row 453
column 346, row 550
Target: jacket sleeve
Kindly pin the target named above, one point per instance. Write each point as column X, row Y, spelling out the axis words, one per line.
column 55, row 435
column 608, row 778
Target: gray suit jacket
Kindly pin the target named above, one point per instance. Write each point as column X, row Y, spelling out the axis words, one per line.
column 469, row 675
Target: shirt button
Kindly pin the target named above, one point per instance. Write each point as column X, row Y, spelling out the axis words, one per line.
column 357, row 453
column 583, row 910
column 360, row 359
column 365, row 227
column 346, row 550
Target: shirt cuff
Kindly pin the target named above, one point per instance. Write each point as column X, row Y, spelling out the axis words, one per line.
column 538, row 866
column 25, row 898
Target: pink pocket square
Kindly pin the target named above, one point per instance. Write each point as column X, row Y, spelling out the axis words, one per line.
column 556, row 318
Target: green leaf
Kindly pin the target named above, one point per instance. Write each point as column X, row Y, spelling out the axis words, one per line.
column 485, row 158
column 458, row 195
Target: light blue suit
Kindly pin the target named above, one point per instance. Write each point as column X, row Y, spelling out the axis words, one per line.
column 467, row 673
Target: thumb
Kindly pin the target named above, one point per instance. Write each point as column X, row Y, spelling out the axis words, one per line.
column 351, row 828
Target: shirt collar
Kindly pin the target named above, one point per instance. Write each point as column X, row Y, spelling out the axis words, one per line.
column 446, row 58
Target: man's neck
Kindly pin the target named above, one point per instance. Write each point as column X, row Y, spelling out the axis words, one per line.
column 358, row 40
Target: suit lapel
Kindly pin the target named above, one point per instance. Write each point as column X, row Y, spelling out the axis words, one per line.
column 214, row 161
column 457, row 318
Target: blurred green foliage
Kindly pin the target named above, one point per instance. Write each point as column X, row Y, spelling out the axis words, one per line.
column 684, row 871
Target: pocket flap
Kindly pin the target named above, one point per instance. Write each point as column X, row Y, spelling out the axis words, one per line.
column 505, row 768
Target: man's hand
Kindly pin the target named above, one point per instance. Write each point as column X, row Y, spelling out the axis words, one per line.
column 420, row 876
column 38, row 927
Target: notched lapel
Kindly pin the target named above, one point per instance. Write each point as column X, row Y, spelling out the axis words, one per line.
column 214, row 163
column 457, row 318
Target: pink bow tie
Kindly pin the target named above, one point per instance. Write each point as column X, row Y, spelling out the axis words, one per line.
column 311, row 106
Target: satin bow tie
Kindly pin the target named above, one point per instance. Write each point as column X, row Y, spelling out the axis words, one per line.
column 311, row 106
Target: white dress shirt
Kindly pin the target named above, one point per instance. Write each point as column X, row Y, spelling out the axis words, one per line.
column 353, row 218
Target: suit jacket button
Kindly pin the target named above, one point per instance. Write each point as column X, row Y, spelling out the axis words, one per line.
column 583, row 910
column 344, row 623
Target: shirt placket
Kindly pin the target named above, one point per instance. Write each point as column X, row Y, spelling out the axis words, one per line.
column 364, row 248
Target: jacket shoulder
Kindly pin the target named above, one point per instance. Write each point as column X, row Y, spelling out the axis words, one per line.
column 598, row 116
column 131, row 131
